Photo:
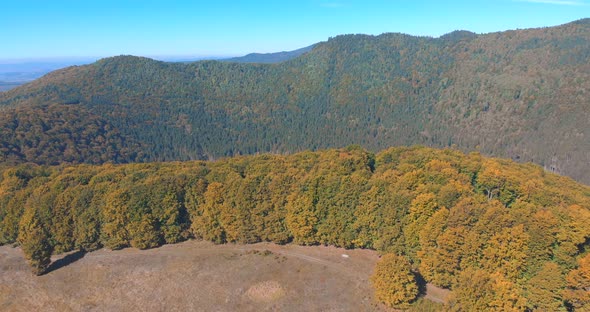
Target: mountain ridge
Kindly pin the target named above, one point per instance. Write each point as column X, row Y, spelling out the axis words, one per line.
column 270, row 58
column 505, row 94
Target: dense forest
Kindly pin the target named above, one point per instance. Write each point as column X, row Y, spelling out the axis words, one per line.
column 500, row 235
column 519, row 94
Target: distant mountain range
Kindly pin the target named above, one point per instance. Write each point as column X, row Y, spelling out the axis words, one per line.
column 17, row 72
column 7, row 85
column 519, row 94
column 270, row 58
column 14, row 74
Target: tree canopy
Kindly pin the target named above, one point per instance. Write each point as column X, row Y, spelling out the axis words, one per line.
column 524, row 247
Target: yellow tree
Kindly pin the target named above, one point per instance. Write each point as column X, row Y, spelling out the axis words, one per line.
column 303, row 211
column 428, row 253
column 543, row 227
column 507, row 252
column 87, row 221
column 368, row 217
column 301, row 218
column 206, row 223
column 114, row 233
column 490, row 179
column 441, row 263
column 421, row 209
column 394, row 282
column 63, row 220
column 507, row 295
column 544, row 290
column 577, row 293
column 473, row 293
column 573, row 231
column 478, row 290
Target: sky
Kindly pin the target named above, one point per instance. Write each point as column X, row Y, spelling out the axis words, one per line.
column 48, row 29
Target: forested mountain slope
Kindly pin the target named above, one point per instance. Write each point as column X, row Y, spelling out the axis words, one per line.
column 502, row 236
column 521, row 94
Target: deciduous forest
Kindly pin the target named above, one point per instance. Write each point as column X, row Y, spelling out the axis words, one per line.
column 500, row 235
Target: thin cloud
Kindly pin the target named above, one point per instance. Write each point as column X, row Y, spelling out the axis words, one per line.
column 556, row 2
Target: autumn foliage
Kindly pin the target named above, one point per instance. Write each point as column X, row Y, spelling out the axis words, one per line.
column 394, row 282
column 500, row 235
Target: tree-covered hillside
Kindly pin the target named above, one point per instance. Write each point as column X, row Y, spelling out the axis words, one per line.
column 502, row 236
column 519, row 94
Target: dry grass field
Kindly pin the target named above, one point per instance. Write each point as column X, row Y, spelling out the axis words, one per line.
column 193, row 276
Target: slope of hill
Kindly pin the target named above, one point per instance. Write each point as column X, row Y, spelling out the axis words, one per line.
column 270, row 58
column 502, row 236
column 521, row 94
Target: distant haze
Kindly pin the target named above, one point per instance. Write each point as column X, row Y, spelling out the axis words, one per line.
column 15, row 72
column 58, row 28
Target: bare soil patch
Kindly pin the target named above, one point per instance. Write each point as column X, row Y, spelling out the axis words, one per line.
column 436, row 294
column 267, row 291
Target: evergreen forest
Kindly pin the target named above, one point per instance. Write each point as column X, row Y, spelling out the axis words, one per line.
column 519, row 94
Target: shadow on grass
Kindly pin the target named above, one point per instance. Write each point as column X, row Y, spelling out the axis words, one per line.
column 65, row 261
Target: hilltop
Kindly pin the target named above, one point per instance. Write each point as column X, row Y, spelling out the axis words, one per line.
column 498, row 235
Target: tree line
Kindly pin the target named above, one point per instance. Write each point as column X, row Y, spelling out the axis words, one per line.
column 500, row 235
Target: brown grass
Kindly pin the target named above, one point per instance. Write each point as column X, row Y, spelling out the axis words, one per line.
column 267, row 291
column 194, row 276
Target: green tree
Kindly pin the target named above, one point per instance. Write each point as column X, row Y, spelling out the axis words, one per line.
column 143, row 234
column 35, row 241
column 170, row 220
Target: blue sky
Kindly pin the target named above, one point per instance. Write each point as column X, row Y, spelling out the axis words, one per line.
column 157, row 28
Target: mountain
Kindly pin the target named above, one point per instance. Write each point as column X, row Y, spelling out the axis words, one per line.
column 270, row 58
column 519, row 94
